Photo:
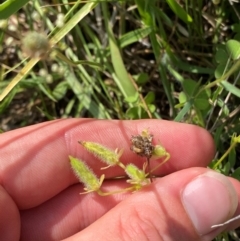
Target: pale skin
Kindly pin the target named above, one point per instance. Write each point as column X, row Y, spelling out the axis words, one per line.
column 39, row 194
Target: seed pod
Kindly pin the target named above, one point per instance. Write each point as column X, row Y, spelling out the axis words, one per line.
column 85, row 175
column 103, row 153
column 159, row 151
column 137, row 176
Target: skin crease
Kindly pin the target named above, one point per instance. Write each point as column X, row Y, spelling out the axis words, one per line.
column 39, row 194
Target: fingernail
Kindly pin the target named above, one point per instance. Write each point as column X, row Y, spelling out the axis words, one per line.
column 209, row 199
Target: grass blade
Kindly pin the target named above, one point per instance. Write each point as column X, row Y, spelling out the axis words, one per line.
column 9, row 7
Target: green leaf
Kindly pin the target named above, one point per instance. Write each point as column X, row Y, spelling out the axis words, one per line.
column 179, row 11
column 9, row 7
column 201, row 103
column 133, row 98
column 231, row 88
column 226, row 168
column 236, row 174
column 221, row 70
column 152, row 108
column 233, row 48
column 182, row 98
column 141, row 78
column 221, row 56
column 150, row 97
column 190, row 87
column 236, row 27
column 133, row 112
column 201, row 100
column 237, row 37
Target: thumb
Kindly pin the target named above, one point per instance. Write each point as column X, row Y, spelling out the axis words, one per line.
column 180, row 206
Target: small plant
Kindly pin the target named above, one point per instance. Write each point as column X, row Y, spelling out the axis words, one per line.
column 137, row 178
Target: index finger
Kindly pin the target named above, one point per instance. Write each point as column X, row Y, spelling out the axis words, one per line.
column 34, row 161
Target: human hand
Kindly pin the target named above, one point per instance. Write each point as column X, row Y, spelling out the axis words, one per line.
column 39, row 194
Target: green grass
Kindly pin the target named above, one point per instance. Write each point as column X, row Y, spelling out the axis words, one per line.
column 126, row 60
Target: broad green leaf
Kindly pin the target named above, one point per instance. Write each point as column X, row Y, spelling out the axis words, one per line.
column 236, row 27
column 237, row 36
column 221, row 70
column 226, row 168
column 152, row 108
column 133, row 112
column 150, row 97
column 182, row 98
column 133, row 98
column 190, row 87
column 201, row 103
column 221, row 56
column 233, row 48
column 201, row 99
column 141, row 78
